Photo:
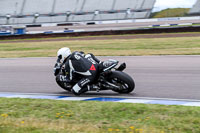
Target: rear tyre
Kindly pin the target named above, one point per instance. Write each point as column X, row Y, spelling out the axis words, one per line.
column 123, row 80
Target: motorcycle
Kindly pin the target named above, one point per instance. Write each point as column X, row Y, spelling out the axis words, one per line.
column 109, row 78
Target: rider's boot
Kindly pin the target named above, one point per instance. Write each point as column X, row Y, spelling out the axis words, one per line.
column 94, row 87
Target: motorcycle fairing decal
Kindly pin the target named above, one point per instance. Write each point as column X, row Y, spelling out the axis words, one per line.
column 92, row 68
column 63, row 78
column 109, row 67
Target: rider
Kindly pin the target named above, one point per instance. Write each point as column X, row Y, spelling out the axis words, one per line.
column 76, row 64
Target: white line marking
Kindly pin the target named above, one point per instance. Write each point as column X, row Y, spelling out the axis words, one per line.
column 75, row 98
column 92, row 96
column 134, row 101
column 191, row 104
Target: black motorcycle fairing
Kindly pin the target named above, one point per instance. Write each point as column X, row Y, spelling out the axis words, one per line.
column 108, row 78
column 109, row 64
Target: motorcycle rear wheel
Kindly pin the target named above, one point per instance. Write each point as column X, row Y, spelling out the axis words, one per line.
column 123, row 80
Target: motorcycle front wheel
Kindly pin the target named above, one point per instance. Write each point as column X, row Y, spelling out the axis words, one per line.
column 123, row 80
column 62, row 84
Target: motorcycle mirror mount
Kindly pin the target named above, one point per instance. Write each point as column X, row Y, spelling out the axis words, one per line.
column 121, row 67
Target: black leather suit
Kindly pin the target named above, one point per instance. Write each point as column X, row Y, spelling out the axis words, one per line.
column 83, row 67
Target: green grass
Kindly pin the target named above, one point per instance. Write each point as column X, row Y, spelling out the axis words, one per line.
column 40, row 116
column 115, row 47
column 171, row 12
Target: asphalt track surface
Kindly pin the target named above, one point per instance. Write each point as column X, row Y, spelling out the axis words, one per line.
column 117, row 26
column 174, row 77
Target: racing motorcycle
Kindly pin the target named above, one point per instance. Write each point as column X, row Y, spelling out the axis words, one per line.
column 109, row 78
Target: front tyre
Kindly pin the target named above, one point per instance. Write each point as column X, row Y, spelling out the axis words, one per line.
column 123, row 80
column 62, row 84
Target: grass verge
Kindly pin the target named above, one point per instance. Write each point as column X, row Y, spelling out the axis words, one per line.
column 116, row 47
column 40, row 116
column 171, row 12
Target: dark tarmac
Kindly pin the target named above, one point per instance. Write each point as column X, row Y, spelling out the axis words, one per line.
column 176, row 77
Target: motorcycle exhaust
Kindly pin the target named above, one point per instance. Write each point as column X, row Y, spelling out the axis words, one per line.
column 121, row 67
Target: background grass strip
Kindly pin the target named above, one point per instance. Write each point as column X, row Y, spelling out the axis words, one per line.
column 122, row 47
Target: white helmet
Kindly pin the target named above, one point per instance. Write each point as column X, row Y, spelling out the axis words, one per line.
column 63, row 53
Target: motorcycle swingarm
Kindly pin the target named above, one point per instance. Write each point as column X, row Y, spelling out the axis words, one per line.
column 110, row 85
